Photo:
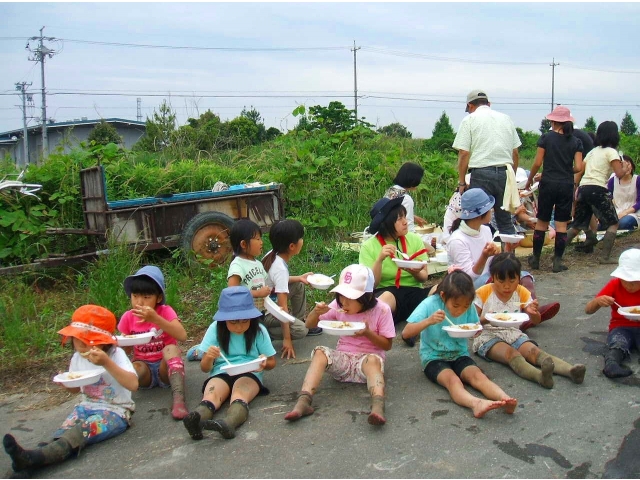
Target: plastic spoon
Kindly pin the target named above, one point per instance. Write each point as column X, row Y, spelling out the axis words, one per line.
column 447, row 319
column 619, row 306
column 404, row 255
column 224, row 358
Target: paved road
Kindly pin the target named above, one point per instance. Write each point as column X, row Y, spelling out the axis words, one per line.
column 572, row 431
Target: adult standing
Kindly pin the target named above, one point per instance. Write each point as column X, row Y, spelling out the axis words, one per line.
column 487, row 142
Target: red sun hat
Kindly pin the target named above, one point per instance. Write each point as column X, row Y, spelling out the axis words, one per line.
column 91, row 324
column 560, row 114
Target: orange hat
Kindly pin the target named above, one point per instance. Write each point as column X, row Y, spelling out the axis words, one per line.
column 92, row 324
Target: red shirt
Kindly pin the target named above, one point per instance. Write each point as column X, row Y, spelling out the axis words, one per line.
column 615, row 289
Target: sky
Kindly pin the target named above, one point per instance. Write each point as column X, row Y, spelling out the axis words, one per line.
column 414, row 61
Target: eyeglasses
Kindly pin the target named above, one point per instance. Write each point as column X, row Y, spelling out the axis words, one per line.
column 235, row 322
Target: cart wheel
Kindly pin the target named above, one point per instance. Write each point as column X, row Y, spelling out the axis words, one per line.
column 207, row 236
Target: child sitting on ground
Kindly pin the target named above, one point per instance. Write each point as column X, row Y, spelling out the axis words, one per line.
column 236, row 336
column 508, row 345
column 624, row 334
column 446, row 360
column 106, row 406
column 159, row 362
column 358, row 358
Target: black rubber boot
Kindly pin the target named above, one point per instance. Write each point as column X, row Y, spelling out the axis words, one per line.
column 558, row 266
column 607, row 246
column 193, row 422
column 613, row 367
column 237, row 414
column 534, row 261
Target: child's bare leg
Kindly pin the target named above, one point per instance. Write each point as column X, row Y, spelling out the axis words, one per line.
column 539, row 357
column 372, row 368
column 144, row 373
column 479, row 406
column 215, row 393
column 473, row 376
column 310, row 384
column 504, row 353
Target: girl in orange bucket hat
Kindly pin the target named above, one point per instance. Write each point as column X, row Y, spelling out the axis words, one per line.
column 106, row 406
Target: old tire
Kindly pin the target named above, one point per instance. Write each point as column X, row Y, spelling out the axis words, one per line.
column 205, row 239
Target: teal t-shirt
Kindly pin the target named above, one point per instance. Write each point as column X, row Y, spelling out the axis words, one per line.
column 237, row 349
column 435, row 343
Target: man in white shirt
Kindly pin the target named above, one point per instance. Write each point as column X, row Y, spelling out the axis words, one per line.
column 486, row 142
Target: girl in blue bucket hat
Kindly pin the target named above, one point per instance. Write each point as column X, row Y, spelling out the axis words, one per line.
column 235, row 337
column 158, row 363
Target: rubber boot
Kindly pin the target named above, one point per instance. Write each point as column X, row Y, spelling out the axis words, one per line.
column 237, row 414
column 303, row 407
column 55, row 452
column 194, row 420
column 607, row 246
column 534, row 261
column 558, row 266
column 524, row 369
column 176, row 380
column 376, row 417
column 589, row 243
column 613, row 367
column 574, row 372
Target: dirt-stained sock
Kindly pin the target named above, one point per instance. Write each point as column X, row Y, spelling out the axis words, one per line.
column 574, row 372
column 376, row 417
column 302, row 408
column 524, row 369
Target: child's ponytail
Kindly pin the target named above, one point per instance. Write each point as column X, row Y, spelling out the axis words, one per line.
column 281, row 235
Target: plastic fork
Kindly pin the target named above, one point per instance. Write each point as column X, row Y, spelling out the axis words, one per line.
column 224, row 358
column 403, row 255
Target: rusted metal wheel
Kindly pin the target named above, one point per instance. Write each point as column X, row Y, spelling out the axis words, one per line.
column 205, row 238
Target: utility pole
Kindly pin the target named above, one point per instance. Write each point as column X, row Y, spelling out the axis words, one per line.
column 139, row 109
column 22, row 88
column 355, row 80
column 39, row 54
column 553, row 66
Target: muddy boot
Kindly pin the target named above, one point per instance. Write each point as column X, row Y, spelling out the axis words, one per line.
column 558, row 266
column 376, row 417
column 589, row 243
column 607, row 246
column 534, row 261
column 55, row 452
column 574, row 372
column 524, row 369
column 237, row 414
column 302, row 409
column 613, row 367
column 176, row 380
column 193, row 421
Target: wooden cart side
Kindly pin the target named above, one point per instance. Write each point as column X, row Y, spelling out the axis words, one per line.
column 93, row 189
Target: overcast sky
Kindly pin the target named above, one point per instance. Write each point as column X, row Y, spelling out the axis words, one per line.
column 415, row 61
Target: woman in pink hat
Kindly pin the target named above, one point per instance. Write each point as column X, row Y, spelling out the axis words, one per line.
column 561, row 154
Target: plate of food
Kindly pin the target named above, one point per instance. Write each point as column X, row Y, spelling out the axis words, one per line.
column 319, row 281
column 421, row 230
column 511, row 319
column 402, row 263
column 274, row 309
column 508, row 238
column 631, row 313
column 79, row 378
column 340, row 329
column 464, row 330
column 136, row 339
column 245, row 367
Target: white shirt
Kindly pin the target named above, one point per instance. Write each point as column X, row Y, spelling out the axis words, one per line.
column 489, row 136
column 279, row 276
column 464, row 250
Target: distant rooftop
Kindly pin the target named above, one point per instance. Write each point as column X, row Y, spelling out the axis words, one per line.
column 69, row 123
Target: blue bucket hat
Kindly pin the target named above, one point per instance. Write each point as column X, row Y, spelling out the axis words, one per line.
column 236, row 303
column 149, row 271
column 380, row 210
column 475, row 202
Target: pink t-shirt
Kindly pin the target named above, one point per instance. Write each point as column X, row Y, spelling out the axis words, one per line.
column 379, row 319
column 149, row 352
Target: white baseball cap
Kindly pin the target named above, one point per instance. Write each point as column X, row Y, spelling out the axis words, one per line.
column 355, row 281
column 628, row 266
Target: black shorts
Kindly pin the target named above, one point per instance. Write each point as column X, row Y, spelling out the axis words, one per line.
column 229, row 380
column 594, row 200
column 558, row 195
column 407, row 299
column 434, row 367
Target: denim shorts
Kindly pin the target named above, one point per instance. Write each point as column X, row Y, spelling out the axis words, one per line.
column 624, row 338
column 434, row 367
column 97, row 425
column 154, row 368
column 484, row 349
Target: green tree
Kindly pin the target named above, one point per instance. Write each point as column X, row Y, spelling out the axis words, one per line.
column 395, row 130
column 272, row 132
column 159, row 130
column 590, row 125
column 104, row 133
column 442, row 136
column 628, row 126
column 240, row 132
column 256, row 118
column 545, row 125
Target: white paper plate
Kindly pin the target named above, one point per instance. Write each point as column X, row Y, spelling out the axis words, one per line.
column 139, row 339
column 626, row 312
column 340, row 329
column 79, row 378
column 507, row 238
column 273, row 308
column 442, row 258
column 409, row 263
column 534, row 187
column 457, row 332
column 515, row 319
column 319, row 281
column 246, row 367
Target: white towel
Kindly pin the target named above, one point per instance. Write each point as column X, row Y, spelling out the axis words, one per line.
column 511, row 200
